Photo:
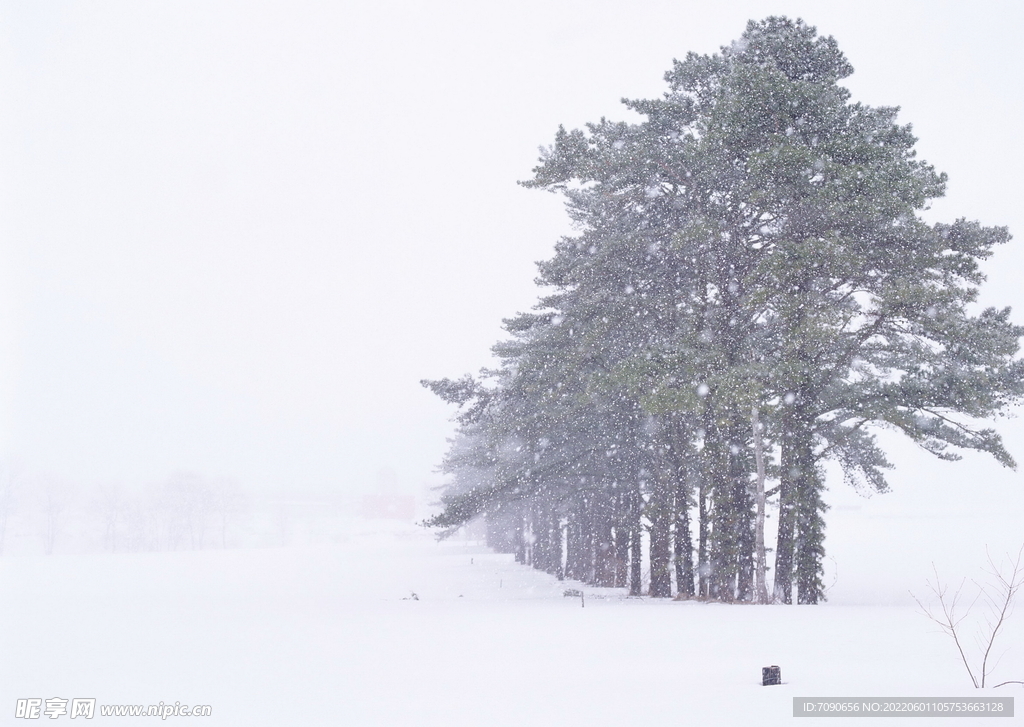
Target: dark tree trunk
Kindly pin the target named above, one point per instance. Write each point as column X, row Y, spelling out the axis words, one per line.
column 621, row 540
column 743, row 514
column 661, row 575
column 683, row 545
column 745, row 563
column 722, row 548
column 556, row 567
column 520, row 538
column 810, row 531
column 501, row 531
column 788, row 492
column 703, row 566
column 589, row 537
column 604, row 550
column 490, row 535
column 538, row 529
column 542, row 538
column 722, row 579
column 635, row 546
column 682, row 487
column 579, row 538
column 573, row 545
column 659, row 513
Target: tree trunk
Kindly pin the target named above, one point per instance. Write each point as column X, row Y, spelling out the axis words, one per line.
column 520, row 538
column 683, row 545
column 661, row 576
column 722, row 546
column 577, row 549
column 801, row 525
column 702, row 546
column 743, row 518
column 621, row 540
column 541, row 533
column 680, row 458
column 635, row 546
column 810, row 529
column 788, row 491
column 760, row 560
column 557, row 568
column 604, row 551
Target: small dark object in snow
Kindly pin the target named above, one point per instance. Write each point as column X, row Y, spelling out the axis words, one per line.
column 572, row 593
column 412, row 597
column 770, row 675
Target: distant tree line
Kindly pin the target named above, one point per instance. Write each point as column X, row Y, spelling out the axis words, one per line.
column 184, row 512
column 752, row 292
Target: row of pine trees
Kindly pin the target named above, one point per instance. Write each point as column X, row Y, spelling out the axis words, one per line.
column 751, row 292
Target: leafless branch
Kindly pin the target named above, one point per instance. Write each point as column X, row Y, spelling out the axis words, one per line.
column 997, row 596
column 948, row 622
column 1007, row 588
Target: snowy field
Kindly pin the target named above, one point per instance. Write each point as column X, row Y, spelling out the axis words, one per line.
column 235, row 237
column 330, row 635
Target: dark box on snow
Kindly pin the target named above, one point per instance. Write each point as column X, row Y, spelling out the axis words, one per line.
column 770, row 675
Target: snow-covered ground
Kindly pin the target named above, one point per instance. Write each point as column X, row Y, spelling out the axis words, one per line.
column 330, row 635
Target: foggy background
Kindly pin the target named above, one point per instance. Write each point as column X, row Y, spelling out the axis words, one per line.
column 235, row 235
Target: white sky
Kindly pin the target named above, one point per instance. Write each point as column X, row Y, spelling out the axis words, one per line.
column 236, row 235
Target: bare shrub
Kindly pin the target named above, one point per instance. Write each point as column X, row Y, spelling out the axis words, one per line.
column 997, row 600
